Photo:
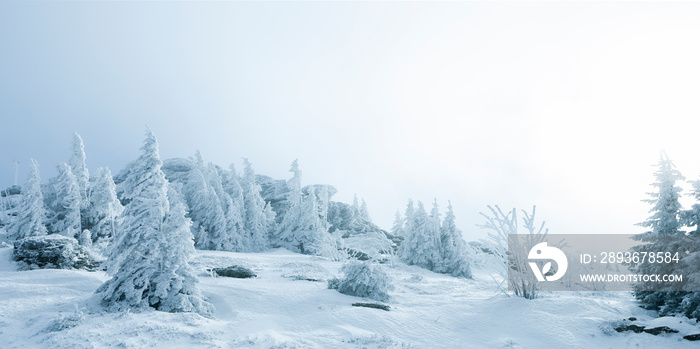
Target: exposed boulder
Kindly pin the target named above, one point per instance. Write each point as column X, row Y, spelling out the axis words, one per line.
column 692, row 337
column 372, row 305
column 53, row 252
column 235, row 271
column 659, row 330
column 634, row 328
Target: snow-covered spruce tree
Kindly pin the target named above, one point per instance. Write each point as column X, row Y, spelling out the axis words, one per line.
column 234, row 215
column 65, row 216
column 176, row 287
column 80, row 170
column 31, row 211
column 363, row 279
column 455, row 258
column 689, row 265
column 206, row 213
column 397, row 228
column 104, row 210
column 364, row 212
column 303, row 230
column 283, row 233
column 422, row 242
column 258, row 217
column 664, row 222
column 150, row 252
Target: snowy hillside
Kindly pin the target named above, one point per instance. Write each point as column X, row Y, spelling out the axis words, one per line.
column 281, row 309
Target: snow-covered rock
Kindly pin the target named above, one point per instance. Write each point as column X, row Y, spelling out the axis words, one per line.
column 53, row 252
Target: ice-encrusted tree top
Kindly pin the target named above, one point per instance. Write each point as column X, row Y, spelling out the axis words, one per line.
column 294, row 184
column 79, row 168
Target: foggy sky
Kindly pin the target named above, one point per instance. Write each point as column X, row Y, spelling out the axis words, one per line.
column 563, row 105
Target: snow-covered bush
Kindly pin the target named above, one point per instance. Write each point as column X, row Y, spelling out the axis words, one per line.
column 363, row 279
column 522, row 282
column 66, row 322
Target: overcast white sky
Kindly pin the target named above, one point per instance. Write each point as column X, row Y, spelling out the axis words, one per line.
column 563, row 105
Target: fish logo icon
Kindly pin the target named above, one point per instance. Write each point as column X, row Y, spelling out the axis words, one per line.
column 542, row 251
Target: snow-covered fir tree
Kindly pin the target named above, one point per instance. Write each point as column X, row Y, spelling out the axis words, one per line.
column 258, row 217
column 689, row 265
column 149, row 257
column 408, row 216
column 665, row 200
column 664, row 221
column 294, row 184
column 65, row 218
column 455, row 256
column 303, row 230
column 176, row 287
column 215, row 182
column 79, row 169
column 397, row 227
column 104, row 210
column 421, row 244
column 206, row 212
column 364, row 212
column 31, row 211
column 234, row 215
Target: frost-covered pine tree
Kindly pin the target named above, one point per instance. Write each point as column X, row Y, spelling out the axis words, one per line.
column 149, row 258
column 455, row 258
column 421, row 244
column 31, row 211
column 664, row 221
column 79, row 169
column 65, row 218
column 258, row 223
column 102, row 215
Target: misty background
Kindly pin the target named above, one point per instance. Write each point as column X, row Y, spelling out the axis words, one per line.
column 563, row 105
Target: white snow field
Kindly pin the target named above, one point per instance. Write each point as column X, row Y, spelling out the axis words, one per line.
column 278, row 309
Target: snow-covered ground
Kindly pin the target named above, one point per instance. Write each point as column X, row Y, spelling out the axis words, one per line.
column 280, row 309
